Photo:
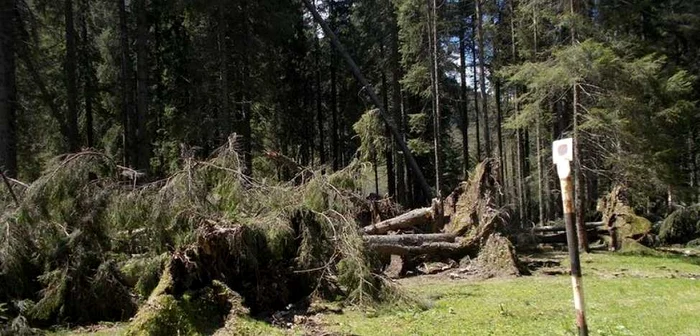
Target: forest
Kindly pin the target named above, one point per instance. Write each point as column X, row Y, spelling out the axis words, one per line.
column 148, row 145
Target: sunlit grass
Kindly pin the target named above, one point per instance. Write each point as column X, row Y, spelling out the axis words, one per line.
column 643, row 299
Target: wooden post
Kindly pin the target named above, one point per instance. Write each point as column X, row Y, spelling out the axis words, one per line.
column 562, row 151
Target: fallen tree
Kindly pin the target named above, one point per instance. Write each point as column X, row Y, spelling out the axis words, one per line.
column 81, row 234
column 470, row 219
column 410, row 219
column 621, row 221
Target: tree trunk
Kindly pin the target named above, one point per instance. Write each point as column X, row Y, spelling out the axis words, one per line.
column 8, row 88
column 476, row 95
column 142, row 134
column 70, row 77
column 463, row 102
column 319, row 103
column 88, row 75
column 538, row 141
column 499, row 135
column 247, row 127
column 410, row 219
column 580, row 197
column 225, row 114
column 335, row 145
column 436, row 98
column 409, row 239
column 482, row 83
column 389, row 150
column 125, row 79
column 397, row 105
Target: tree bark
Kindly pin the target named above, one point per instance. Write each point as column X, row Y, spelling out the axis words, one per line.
column 463, row 102
column 409, row 239
column 410, row 219
column 538, row 135
column 142, row 133
column 8, row 88
column 499, row 135
column 225, row 114
column 70, row 77
column 434, row 249
column 397, row 105
column 319, row 104
column 482, row 83
column 436, row 98
column 476, row 94
column 126, row 88
column 580, row 197
column 247, row 126
column 88, row 75
column 389, row 149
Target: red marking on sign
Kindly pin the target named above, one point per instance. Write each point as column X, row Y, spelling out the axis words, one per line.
column 562, row 150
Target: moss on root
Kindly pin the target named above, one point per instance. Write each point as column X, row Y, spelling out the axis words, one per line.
column 633, row 247
column 197, row 312
column 497, row 258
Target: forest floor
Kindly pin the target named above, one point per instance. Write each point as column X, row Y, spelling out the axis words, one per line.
column 625, row 295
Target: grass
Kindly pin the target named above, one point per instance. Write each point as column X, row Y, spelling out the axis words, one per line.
column 625, row 295
column 643, row 299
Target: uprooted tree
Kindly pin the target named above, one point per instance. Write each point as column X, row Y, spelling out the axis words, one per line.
column 84, row 236
column 459, row 227
column 209, row 238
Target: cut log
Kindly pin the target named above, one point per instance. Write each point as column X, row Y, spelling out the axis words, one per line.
column 434, row 249
column 410, row 219
column 556, row 228
column 560, row 238
column 409, row 239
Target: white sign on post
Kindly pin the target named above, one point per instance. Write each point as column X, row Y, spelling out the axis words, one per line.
column 562, row 155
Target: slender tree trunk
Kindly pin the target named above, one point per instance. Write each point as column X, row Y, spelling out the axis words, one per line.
column 88, row 75
column 397, row 105
column 389, row 150
column 247, row 127
column 499, row 132
column 8, row 88
column 142, row 134
column 319, row 104
column 580, row 197
column 335, row 145
column 538, row 127
column 463, row 102
column 482, row 83
column 125, row 83
column 436, row 98
column 225, row 119
column 476, row 94
column 70, row 77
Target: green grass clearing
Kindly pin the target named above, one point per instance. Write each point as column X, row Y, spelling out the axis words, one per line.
column 625, row 295
column 648, row 296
